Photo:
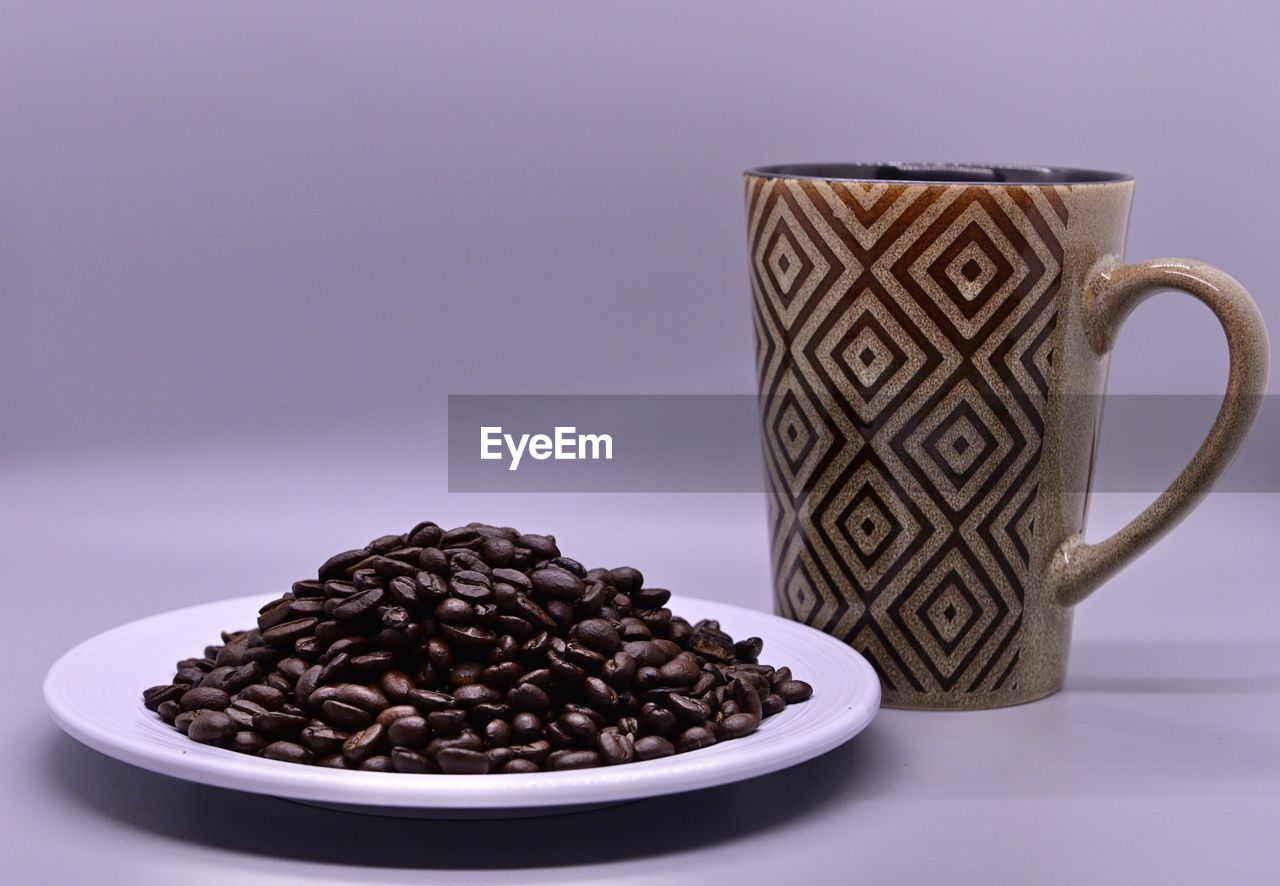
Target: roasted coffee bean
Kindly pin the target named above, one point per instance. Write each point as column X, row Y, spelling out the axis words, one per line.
column 501, row 676
column 267, row 696
column 459, row 761
column 528, row 698
column 558, row 582
column 497, row 733
column 516, row 765
column 307, row 684
column 322, row 739
column 579, row 728
column 454, row 611
column 469, row 638
column 651, row 598
column 287, row 751
column 526, row 726
column 542, row 547
column 772, row 704
column 476, row 693
column 366, row 578
column 204, row 698
column 409, row 732
column 337, row 565
column 475, row 649
column 384, row 543
column 656, row 720
column 449, row 722
column 248, row 742
column 211, row 727
column 405, row 760
column 599, row 694
column 275, row 724
column 396, row 685
column 615, row 748
column 598, row 635
column 364, row 743
column 793, row 691
column 396, row 712
column 158, row 695
column 425, row 535
column 646, row 654
column 694, row 738
column 288, row 633
column 573, row 759
column 683, row 670
column 688, row 711
column 308, row 588
column 358, row 604
column 428, row 701
column 345, row 716
column 651, row 747
column 471, row 586
column 364, row 697
column 749, row 649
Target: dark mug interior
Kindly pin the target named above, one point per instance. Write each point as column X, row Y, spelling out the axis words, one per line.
column 938, row 173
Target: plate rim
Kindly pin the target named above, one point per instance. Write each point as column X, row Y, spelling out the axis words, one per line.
column 632, row 781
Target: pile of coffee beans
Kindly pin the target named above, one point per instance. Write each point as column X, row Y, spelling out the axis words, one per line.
column 472, row 650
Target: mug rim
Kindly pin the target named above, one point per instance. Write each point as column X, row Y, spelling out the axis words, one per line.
column 964, row 174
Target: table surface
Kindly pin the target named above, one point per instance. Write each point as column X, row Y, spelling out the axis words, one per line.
column 1159, row 762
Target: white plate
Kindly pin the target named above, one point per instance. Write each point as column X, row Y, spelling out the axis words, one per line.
column 95, row 695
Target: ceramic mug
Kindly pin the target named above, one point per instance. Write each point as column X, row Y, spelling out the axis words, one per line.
column 932, row 347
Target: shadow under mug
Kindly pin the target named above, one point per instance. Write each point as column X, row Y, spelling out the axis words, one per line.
column 932, row 346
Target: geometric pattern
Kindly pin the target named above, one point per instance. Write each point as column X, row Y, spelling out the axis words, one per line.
column 904, row 335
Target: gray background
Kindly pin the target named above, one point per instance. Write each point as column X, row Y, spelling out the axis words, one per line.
column 247, row 249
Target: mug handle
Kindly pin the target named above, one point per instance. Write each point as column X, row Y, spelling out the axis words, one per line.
column 1077, row 568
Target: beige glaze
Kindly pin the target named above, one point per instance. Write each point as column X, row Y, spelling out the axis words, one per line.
column 931, row 360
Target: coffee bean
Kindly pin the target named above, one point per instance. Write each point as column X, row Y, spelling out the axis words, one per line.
column 557, row 582
column 738, row 725
column 458, row 761
column 396, row 712
column 248, row 742
column 358, row 604
column 211, row 727
column 474, row 649
column 471, row 586
column 518, row 765
column 364, row 697
column 793, row 691
column 204, row 698
column 615, row 748
column 345, row 716
column 428, row 701
column 364, row 743
column 573, row 759
column 158, row 695
column 337, row 565
column 289, row 632
column 276, row 724
column 267, row 696
column 322, row 739
column 694, row 738
column 287, row 751
column 683, row 670
column 405, row 760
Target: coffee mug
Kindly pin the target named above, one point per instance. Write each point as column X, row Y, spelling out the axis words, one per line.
column 932, row 347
